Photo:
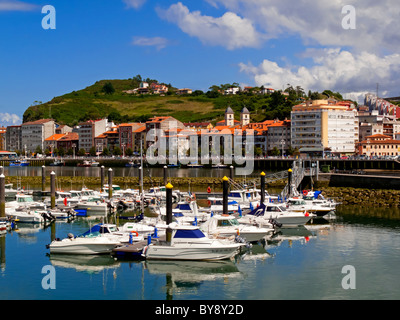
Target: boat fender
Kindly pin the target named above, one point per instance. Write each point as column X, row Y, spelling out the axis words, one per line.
column 209, row 190
column 305, row 192
column 70, row 236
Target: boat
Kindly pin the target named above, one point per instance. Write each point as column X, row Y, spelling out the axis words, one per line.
column 194, row 165
column 132, row 164
column 277, row 215
column 228, row 226
column 10, row 191
column 25, row 201
column 93, row 207
column 190, row 243
column 172, row 165
column 113, row 232
column 219, row 166
column 318, row 204
column 83, row 245
column 57, row 163
column 19, row 163
column 89, row 163
column 216, row 205
column 24, row 215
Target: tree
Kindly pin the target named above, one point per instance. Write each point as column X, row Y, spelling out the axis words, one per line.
column 81, row 152
column 108, row 88
column 117, row 151
column 275, row 151
column 105, row 152
column 38, row 150
column 92, row 151
column 129, row 152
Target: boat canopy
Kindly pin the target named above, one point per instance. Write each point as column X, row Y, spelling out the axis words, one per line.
column 259, row 211
column 189, row 233
column 183, row 206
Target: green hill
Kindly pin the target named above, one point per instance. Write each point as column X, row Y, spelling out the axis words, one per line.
column 106, row 98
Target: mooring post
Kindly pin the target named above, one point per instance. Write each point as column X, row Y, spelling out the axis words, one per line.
column 2, row 196
column 225, row 188
column 289, row 182
column 231, row 172
column 169, row 210
column 165, row 175
column 53, row 189
column 101, row 178
column 43, row 178
column 110, row 183
column 1, row 170
column 262, row 187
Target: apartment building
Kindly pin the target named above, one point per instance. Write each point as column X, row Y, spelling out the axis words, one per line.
column 34, row 133
column 324, row 125
column 13, row 138
column 89, row 130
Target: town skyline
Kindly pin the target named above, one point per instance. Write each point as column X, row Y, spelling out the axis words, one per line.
column 195, row 44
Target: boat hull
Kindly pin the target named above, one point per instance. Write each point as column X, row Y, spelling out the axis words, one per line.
column 160, row 252
column 63, row 247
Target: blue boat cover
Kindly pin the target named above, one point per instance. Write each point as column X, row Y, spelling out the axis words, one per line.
column 183, row 206
column 196, row 233
column 316, row 194
column 259, row 211
column 178, row 214
column 93, row 229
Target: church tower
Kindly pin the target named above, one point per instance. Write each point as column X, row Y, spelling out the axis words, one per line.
column 229, row 117
column 244, row 117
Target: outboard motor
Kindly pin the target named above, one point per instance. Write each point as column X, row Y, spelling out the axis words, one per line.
column 275, row 223
column 70, row 236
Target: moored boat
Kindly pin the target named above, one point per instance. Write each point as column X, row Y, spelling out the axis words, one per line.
column 190, row 243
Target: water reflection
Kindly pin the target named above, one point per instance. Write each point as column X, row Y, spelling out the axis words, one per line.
column 84, row 263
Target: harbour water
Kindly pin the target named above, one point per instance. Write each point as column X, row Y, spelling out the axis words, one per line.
column 293, row 264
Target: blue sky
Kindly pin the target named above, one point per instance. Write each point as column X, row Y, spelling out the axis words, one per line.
column 195, row 44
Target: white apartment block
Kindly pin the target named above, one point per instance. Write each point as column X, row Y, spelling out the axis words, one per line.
column 34, row 133
column 321, row 124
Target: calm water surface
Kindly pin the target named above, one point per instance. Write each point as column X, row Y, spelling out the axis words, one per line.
column 292, row 264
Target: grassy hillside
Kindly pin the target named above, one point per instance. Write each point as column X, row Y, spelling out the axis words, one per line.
column 95, row 102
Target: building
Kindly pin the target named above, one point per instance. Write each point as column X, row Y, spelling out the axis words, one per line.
column 34, row 133
column 379, row 145
column 320, row 126
column 279, row 136
column 127, row 134
column 244, row 117
column 3, row 131
column 13, row 138
column 70, row 140
column 88, row 130
column 184, row 91
column 51, row 142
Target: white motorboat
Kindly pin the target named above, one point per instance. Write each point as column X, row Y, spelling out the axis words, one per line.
column 277, row 215
column 93, row 207
column 228, row 226
column 24, row 215
column 10, row 191
column 318, row 204
column 25, row 201
column 216, row 206
column 190, row 243
column 83, row 245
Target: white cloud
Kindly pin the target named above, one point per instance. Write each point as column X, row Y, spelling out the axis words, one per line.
column 9, row 119
column 12, row 5
column 136, row 4
column 157, row 42
column 320, row 22
column 333, row 69
column 230, row 30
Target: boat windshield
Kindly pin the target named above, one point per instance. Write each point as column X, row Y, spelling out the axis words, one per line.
column 227, row 223
column 25, row 199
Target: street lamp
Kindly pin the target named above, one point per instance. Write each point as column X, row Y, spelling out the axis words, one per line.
column 123, row 145
column 282, row 143
column 73, row 149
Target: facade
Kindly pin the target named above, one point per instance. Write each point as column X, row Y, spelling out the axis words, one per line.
column 322, row 125
column 88, row 130
column 51, row 142
column 70, row 140
column 126, row 134
column 3, row 131
column 13, row 138
column 34, row 133
column 279, row 136
column 379, row 145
